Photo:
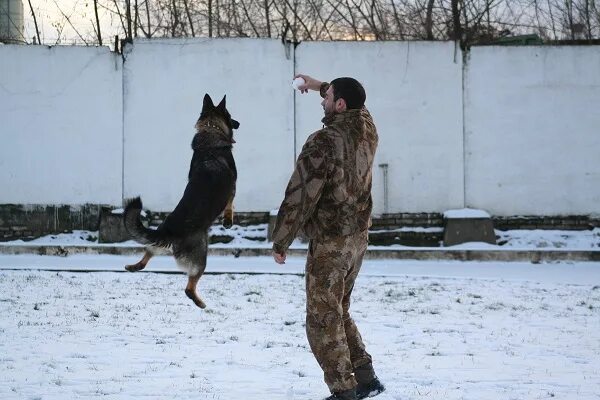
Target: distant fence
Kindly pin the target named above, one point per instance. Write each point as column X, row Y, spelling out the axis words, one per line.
column 514, row 131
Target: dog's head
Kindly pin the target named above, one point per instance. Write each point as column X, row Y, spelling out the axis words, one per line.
column 217, row 116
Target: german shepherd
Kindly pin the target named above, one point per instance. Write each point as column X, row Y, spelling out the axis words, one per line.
column 209, row 192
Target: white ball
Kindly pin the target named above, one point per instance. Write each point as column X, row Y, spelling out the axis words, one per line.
column 296, row 83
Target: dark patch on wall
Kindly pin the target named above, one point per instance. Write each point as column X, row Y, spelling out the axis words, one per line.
column 557, row 222
column 31, row 221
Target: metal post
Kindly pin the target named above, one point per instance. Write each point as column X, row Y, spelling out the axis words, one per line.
column 384, row 167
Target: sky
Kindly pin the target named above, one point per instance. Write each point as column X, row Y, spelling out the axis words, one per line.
column 54, row 25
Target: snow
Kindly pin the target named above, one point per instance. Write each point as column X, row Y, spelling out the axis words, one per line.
column 254, row 236
column 296, row 83
column 466, row 213
column 242, row 235
column 80, row 327
column 433, row 229
column 124, row 336
column 538, row 238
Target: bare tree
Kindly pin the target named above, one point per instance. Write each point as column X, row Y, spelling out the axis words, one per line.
column 467, row 21
column 97, row 27
column 189, row 16
column 429, row 20
column 128, row 16
column 67, row 18
column 267, row 16
column 37, row 31
column 456, row 21
column 210, row 18
column 147, row 33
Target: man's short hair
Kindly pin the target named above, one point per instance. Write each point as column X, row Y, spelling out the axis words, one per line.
column 350, row 90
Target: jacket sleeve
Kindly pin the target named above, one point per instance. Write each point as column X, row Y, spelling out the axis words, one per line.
column 323, row 88
column 302, row 193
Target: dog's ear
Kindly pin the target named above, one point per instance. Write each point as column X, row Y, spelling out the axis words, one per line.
column 222, row 105
column 234, row 124
column 208, row 103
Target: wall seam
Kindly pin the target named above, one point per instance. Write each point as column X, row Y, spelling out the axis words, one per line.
column 465, row 62
column 123, row 127
column 294, row 110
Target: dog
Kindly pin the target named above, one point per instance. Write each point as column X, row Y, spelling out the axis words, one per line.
column 209, row 192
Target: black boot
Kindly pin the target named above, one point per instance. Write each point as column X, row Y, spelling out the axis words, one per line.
column 369, row 389
column 368, row 383
column 345, row 395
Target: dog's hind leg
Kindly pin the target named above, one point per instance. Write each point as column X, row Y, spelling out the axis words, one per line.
column 190, row 290
column 195, row 264
column 140, row 265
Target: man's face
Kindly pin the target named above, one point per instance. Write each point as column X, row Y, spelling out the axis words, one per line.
column 329, row 105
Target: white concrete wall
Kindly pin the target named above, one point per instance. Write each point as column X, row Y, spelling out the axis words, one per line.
column 532, row 117
column 165, row 82
column 77, row 126
column 60, row 125
column 414, row 93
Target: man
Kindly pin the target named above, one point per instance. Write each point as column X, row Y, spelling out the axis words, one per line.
column 329, row 198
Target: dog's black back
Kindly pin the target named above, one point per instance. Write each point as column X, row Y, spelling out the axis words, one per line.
column 211, row 183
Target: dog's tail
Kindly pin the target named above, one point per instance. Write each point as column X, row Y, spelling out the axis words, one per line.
column 133, row 225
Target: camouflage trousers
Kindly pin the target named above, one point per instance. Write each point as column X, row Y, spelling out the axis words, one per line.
column 331, row 270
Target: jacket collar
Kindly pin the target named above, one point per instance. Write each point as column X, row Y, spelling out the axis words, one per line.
column 344, row 116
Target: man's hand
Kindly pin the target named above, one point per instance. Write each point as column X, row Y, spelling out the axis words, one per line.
column 279, row 258
column 310, row 83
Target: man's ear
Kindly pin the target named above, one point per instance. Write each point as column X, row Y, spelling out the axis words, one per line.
column 340, row 105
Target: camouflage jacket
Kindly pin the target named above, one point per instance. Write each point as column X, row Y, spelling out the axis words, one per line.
column 329, row 193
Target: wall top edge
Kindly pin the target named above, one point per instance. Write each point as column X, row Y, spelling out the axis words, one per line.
column 496, row 47
column 188, row 40
column 278, row 40
column 58, row 47
column 143, row 41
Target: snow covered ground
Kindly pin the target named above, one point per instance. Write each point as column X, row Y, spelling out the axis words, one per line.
column 255, row 236
column 436, row 330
